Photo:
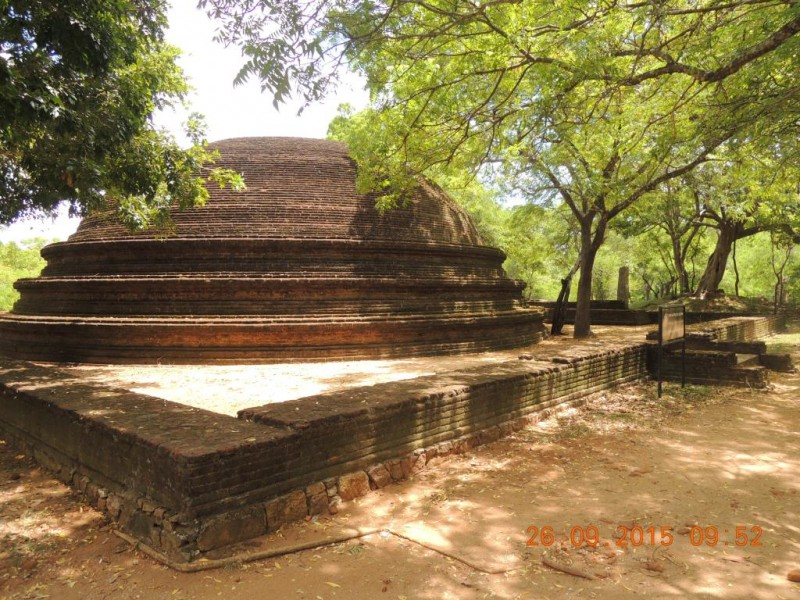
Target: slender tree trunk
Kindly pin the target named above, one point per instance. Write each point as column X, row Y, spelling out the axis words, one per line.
column 560, row 311
column 590, row 243
column 735, row 271
column 715, row 268
column 583, row 306
column 778, row 268
column 680, row 266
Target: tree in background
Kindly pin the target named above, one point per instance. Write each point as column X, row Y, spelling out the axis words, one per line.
column 781, row 246
column 597, row 105
column 79, row 82
column 545, row 247
column 17, row 262
column 741, row 194
column 672, row 211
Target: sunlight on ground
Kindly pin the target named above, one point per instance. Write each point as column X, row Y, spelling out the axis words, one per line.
column 696, row 456
column 226, row 389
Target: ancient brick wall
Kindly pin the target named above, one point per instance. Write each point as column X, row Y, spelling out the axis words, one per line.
column 187, row 481
column 714, row 350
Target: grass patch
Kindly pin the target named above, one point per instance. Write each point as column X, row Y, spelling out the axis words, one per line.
column 783, row 343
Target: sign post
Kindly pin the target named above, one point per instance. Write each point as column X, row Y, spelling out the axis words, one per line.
column 671, row 330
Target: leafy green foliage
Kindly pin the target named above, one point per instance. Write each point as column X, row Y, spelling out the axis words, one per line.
column 16, row 262
column 592, row 107
column 79, row 82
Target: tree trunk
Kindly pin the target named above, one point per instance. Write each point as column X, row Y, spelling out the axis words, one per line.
column 589, row 246
column 778, row 295
column 560, row 311
column 778, row 269
column 715, row 268
column 735, row 272
column 680, row 266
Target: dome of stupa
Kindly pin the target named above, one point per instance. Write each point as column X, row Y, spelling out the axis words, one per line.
column 297, row 267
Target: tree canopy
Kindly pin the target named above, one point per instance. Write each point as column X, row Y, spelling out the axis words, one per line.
column 593, row 105
column 79, row 82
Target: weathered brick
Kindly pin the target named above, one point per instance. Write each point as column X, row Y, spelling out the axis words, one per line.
column 114, row 505
column 353, row 485
column 285, row 509
column 379, row 476
column 317, row 504
column 136, row 523
column 231, row 528
column 315, row 489
column 418, row 461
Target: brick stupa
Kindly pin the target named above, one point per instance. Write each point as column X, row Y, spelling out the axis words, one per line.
column 298, row 267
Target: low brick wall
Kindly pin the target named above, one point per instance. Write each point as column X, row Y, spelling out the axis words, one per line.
column 186, row 481
column 710, row 368
column 370, row 424
column 712, row 348
column 606, row 312
column 736, row 329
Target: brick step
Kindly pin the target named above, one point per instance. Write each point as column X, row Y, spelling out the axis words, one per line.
column 709, row 367
column 777, row 362
column 754, row 377
column 304, row 257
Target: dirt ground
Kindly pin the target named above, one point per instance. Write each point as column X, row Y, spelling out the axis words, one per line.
column 707, row 463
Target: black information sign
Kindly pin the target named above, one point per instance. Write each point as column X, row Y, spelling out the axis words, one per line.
column 671, row 330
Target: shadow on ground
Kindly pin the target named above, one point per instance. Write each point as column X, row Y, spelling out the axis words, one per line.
column 701, row 461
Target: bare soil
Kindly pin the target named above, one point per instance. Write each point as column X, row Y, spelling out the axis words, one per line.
column 701, row 461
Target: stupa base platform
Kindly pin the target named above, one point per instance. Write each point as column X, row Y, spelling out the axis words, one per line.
column 188, row 483
column 198, row 340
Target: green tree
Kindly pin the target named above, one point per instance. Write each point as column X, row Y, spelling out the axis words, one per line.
column 672, row 212
column 16, row 262
column 781, row 249
column 577, row 144
column 743, row 193
column 544, row 248
column 79, row 82
column 597, row 105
